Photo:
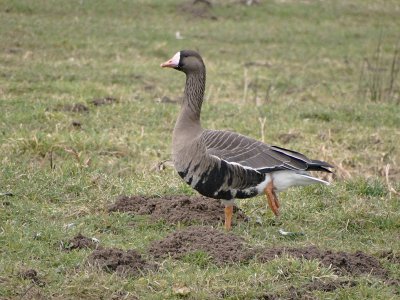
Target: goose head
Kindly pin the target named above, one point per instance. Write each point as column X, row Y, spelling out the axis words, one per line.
column 186, row 61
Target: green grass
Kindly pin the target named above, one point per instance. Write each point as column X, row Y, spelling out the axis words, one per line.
column 304, row 60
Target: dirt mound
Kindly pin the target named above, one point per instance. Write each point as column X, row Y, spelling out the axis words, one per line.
column 304, row 292
column 32, row 275
column 127, row 263
column 80, row 242
column 342, row 262
column 353, row 263
column 176, row 209
column 222, row 247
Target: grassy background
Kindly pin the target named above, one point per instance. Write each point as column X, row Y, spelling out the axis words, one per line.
column 307, row 70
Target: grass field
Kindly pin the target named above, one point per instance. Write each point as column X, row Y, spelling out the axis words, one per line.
column 319, row 77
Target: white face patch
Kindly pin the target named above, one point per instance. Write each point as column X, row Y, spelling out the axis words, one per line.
column 173, row 62
column 176, row 58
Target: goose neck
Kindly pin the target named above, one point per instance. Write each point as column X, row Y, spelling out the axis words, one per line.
column 193, row 95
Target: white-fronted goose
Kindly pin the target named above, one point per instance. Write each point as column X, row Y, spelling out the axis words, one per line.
column 226, row 165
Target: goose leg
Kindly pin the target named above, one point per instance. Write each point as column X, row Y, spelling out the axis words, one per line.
column 272, row 198
column 228, row 216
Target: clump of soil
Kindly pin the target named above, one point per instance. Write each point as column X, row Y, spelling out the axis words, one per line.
column 80, row 242
column 32, row 275
column 137, row 205
column 222, row 247
column 341, row 262
column 104, row 101
column 126, row 263
column 76, row 124
column 176, row 209
column 353, row 263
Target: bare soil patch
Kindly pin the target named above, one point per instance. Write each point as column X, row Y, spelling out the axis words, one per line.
column 176, row 209
column 223, row 248
column 341, row 262
column 226, row 247
column 80, row 242
column 126, row 263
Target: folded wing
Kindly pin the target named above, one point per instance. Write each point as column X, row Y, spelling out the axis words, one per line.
column 248, row 152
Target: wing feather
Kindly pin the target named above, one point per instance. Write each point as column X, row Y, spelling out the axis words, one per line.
column 248, row 152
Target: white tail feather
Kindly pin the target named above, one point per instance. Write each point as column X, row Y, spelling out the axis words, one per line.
column 286, row 179
column 316, row 179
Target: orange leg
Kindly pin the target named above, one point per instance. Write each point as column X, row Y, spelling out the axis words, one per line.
column 272, row 198
column 228, row 216
column 276, row 199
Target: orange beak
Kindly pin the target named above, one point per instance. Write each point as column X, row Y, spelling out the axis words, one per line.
column 173, row 62
column 168, row 64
